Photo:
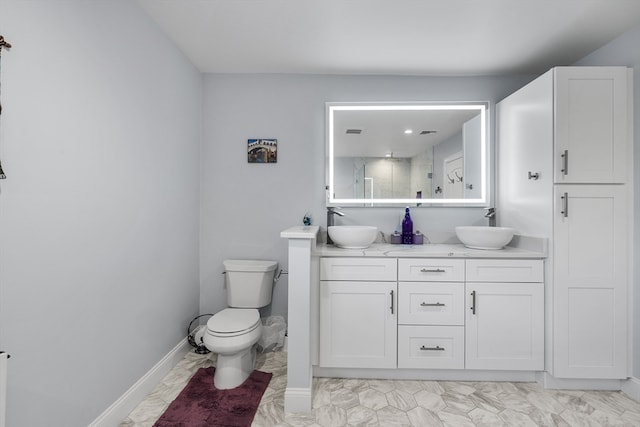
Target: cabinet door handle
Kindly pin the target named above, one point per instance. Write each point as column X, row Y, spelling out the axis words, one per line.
column 565, row 205
column 391, row 293
column 436, row 348
column 473, row 302
column 436, row 270
column 565, row 162
column 426, row 304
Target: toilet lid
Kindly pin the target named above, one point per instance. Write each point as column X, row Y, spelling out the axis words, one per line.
column 232, row 320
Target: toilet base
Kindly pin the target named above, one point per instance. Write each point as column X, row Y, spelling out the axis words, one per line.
column 232, row 370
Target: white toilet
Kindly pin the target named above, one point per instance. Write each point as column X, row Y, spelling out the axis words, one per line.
column 233, row 332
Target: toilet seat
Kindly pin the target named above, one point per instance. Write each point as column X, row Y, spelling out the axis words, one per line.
column 232, row 322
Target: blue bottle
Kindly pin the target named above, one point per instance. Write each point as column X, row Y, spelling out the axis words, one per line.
column 407, row 228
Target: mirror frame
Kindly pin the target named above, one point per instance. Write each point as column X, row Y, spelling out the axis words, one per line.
column 332, row 107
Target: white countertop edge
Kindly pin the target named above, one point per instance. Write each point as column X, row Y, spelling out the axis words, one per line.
column 301, row 232
column 521, row 247
column 530, row 243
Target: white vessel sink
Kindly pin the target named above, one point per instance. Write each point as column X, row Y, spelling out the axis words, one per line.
column 353, row 236
column 478, row 237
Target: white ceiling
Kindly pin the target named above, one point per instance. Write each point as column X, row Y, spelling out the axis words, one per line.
column 400, row 37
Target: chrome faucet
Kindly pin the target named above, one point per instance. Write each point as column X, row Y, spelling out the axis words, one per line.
column 491, row 215
column 331, row 211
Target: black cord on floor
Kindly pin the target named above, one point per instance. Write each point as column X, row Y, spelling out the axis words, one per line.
column 200, row 348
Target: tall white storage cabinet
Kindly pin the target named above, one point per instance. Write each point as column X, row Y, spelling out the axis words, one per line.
column 564, row 171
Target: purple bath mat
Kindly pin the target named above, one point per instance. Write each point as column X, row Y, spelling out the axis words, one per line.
column 201, row 404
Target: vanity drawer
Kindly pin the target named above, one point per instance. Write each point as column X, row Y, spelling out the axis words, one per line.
column 378, row 269
column 431, row 347
column 431, row 303
column 426, row 269
column 505, row 270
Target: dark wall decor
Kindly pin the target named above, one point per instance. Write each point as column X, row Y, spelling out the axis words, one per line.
column 262, row 150
column 5, row 44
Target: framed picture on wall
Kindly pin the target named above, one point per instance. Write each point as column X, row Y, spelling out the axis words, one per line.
column 262, row 150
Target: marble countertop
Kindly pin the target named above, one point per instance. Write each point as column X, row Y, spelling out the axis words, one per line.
column 519, row 247
column 301, row 232
column 429, row 251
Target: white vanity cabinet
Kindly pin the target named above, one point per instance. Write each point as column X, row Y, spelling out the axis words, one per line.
column 431, row 313
column 564, row 168
column 505, row 315
column 358, row 312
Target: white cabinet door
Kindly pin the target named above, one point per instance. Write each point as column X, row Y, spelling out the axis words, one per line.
column 505, row 326
column 431, row 303
column 355, row 268
column 431, row 269
column 358, row 324
column 504, row 270
column 525, row 158
column 431, row 347
column 590, row 281
column 591, row 124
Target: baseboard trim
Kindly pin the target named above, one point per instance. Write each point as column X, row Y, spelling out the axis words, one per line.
column 122, row 407
column 297, row 400
column 550, row 382
column 631, row 387
column 426, row 374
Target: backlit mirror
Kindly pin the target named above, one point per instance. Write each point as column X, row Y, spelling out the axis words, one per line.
column 406, row 154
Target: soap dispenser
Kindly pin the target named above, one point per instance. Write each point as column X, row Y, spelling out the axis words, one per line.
column 407, row 228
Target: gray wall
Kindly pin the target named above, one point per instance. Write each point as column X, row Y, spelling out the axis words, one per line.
column 246, row 206
column 99, row 138
column 625, row 50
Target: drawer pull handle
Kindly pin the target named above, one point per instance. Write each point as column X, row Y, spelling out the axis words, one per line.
column 473, row 302
column 565, row 162
column 391, row 293
column 437, row 270
column 565, row 205
column 426, row 304
column 436, row 348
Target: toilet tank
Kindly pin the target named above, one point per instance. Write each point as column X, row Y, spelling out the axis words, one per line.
column 249, row 282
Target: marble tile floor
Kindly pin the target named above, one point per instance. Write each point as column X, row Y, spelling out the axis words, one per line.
column 387, row 403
